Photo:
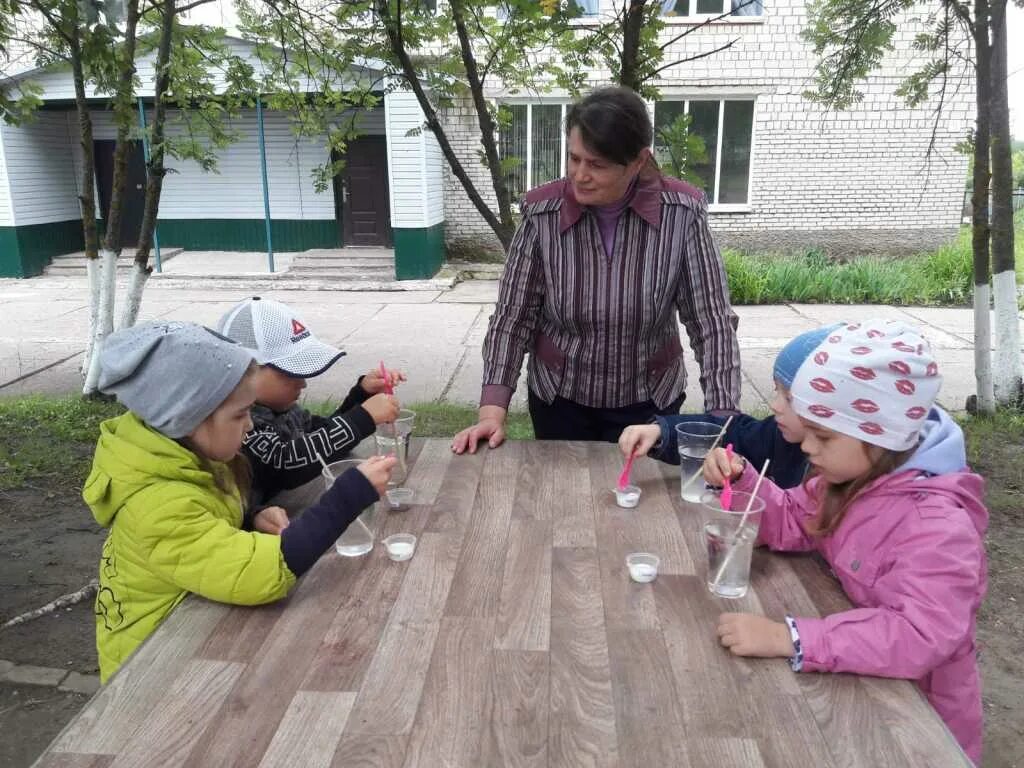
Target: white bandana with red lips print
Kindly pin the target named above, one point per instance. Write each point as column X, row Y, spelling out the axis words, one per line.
column 874, row 380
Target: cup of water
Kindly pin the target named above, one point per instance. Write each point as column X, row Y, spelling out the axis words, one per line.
column 643, row 567
column 357, row 539
column 695, row 439
column 393, row 438
column 730, row 546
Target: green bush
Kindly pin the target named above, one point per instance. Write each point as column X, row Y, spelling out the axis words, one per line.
column 940, row 277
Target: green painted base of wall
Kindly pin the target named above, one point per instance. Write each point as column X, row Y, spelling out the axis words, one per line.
column 419, row 253
column 24, row 251
column 248, row 234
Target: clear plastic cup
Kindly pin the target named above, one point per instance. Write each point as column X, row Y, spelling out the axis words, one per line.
column 400, row 546
column 357, row 539
column 643, row 567
column 729, row 547
column 399, row 498
column 393, row 438
column 695, row 439
column 628, row 497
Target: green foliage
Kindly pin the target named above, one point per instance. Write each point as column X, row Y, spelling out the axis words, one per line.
column 850, row 39
column 941, row 277
column 345, row 52
column 678, row 151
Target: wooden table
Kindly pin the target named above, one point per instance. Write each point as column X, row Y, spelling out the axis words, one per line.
column 513, row 637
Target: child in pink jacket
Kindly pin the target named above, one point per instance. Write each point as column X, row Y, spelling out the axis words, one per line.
column 893, row 508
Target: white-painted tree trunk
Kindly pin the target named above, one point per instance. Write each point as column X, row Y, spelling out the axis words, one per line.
column 133, row 300
column 105, row 321
column 92, row 271
column 1007, row 369
column 983, row 349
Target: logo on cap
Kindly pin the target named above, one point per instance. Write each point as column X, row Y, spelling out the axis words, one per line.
column 299, row 331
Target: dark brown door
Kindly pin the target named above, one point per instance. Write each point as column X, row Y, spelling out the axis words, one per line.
column 361, row 193
column 134, row 190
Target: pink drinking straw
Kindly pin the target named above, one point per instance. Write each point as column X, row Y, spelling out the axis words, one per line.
column 624, row 477
column 388, row 389
column 726, row 499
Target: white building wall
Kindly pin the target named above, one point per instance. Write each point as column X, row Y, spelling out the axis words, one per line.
column 234, row 190
column 411, row 166
column 434, row 171
column 37, row 178
column 6, row 211
column 858, row 171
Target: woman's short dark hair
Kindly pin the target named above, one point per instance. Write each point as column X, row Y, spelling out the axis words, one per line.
column 613, row 122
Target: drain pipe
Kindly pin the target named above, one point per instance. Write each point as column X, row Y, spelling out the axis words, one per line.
column 145, row 156
column 266, row 188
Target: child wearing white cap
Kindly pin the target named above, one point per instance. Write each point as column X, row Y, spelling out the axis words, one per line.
column 285, row 440
column 894, row 509
column 168, row 482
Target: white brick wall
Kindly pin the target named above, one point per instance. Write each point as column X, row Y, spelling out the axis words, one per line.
column 862, row 169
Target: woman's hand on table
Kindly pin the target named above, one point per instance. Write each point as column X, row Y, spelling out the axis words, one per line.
column 745, row 634
column 638, row 439
column 490, row 426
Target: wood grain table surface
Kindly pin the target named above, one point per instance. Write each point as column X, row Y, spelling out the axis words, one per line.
column 513, row 637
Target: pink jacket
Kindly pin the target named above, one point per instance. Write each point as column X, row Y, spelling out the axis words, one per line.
column 910, row 556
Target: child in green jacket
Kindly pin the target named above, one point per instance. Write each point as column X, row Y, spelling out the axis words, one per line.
column 168, row 482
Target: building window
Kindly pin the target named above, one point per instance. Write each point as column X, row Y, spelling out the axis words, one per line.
column 682, row 8
column 531, row 143
column 726, row 127
column 586, row 8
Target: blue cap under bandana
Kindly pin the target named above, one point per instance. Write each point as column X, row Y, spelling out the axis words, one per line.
column 796, row 351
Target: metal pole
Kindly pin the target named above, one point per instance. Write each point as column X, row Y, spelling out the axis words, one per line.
column 145, row 155
column 266, row 188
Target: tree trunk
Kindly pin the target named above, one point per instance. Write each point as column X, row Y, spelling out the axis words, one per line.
column 392, row 28
column 1007, row 364
column 483, row 113
column 632, row 27
column 155, row 169
column 124, row 117
column 87, row 193
column 979, row 211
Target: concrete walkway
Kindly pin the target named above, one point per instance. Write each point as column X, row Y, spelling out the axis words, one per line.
column 433, row 335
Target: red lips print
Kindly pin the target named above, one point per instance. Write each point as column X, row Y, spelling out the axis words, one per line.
column 823, row 385
column 834, row 339
column 864, row 374
column 875, row 334
column 916, row 412
column 861, row 350
column 864, row 405
column 853, row 326
column 933, row 369
column 822, row 411
column 902, row 346
column 821, row 358
column 871, row 428
column 900, row 367
column 905, row 387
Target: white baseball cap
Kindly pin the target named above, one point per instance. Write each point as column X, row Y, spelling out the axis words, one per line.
column 279, row 337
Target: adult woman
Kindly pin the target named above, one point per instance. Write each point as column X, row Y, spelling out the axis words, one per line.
column 600, row 265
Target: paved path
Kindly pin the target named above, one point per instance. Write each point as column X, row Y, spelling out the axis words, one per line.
column 434, row 335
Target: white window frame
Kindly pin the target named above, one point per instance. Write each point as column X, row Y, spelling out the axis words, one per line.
column 713, row 205
column 701, row 18
column 530, row 104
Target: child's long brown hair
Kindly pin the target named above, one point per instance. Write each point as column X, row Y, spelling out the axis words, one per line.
column 834, row 501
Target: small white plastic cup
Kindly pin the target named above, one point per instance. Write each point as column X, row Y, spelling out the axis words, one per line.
column 628, row 497
column 400, row 546
column 643, row 567
column 400, row 497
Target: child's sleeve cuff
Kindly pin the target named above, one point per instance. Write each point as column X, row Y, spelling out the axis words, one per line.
column 796, row 661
